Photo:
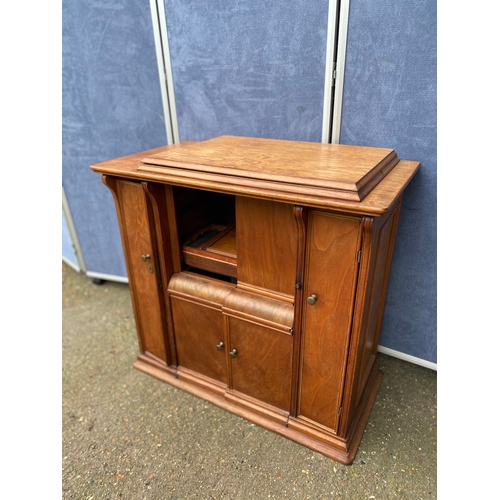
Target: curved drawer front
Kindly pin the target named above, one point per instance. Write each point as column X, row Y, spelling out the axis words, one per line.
column 260, row 310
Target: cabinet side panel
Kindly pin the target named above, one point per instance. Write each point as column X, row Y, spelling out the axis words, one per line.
column 267, row 244
column 137, row 229
column 367, row 349
column 331, row 274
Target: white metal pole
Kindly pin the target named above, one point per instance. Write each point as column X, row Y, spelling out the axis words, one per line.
column 340, row 70
column 330, row 54
column 164, row 70
column 72, row 232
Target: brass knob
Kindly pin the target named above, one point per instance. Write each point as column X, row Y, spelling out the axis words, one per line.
column 233, row 353
column 145, row 257
column 312, row 299
column 220, row 346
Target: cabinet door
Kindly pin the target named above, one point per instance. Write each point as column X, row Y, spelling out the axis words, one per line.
column 266, row 235
column 198, row 324
column 263, row 364
column 200, row 340
column 141, row 254
column 330, row 281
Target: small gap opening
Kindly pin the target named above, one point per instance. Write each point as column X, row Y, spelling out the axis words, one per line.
column 209, row 274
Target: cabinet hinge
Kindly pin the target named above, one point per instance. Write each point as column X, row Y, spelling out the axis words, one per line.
column 340, row 411
column 358, row 258
column 334, row 73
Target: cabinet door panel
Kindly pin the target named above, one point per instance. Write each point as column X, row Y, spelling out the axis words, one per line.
column 139, row 240
column 262, row 367
column 198, row 330
column 331, row 273
column 267, row 244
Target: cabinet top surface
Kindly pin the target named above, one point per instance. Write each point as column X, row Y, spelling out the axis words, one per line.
column 347, row 170
column 349, row 178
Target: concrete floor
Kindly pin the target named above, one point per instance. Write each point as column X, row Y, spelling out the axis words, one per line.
column 126, row 435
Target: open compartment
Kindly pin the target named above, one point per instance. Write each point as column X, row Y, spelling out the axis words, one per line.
column 207, row 233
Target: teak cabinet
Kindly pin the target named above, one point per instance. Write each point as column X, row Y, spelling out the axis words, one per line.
column 258, row 270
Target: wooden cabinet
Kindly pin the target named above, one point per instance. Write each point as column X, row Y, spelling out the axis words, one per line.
column 258, row 270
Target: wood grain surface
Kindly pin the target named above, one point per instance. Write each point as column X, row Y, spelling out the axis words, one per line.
column 335, row 166
column 331, row 273
column 376, row 202
column 291, row 343
column 268, row 230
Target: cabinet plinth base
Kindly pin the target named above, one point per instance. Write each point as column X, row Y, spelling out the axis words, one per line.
column 342, row 450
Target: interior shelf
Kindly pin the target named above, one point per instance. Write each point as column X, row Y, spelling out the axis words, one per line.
column 212, row 249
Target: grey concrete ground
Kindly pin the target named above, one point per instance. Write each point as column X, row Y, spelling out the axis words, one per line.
column 126, row 435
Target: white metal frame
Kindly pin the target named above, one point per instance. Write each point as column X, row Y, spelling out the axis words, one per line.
column 164, row 70
column 332, row 108
column 330, row 51
column 339, row 83
column 107, row 277
column 407, row 357
column 73, row 235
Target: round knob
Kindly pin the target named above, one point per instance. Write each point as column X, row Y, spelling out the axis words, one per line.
column 145, row 257
column 233, row 353
column 220, row 346
column 312, row 299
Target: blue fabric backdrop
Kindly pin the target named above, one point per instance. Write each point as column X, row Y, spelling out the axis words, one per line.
column 111, row 107
column 390, row 101
column 248, row 67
